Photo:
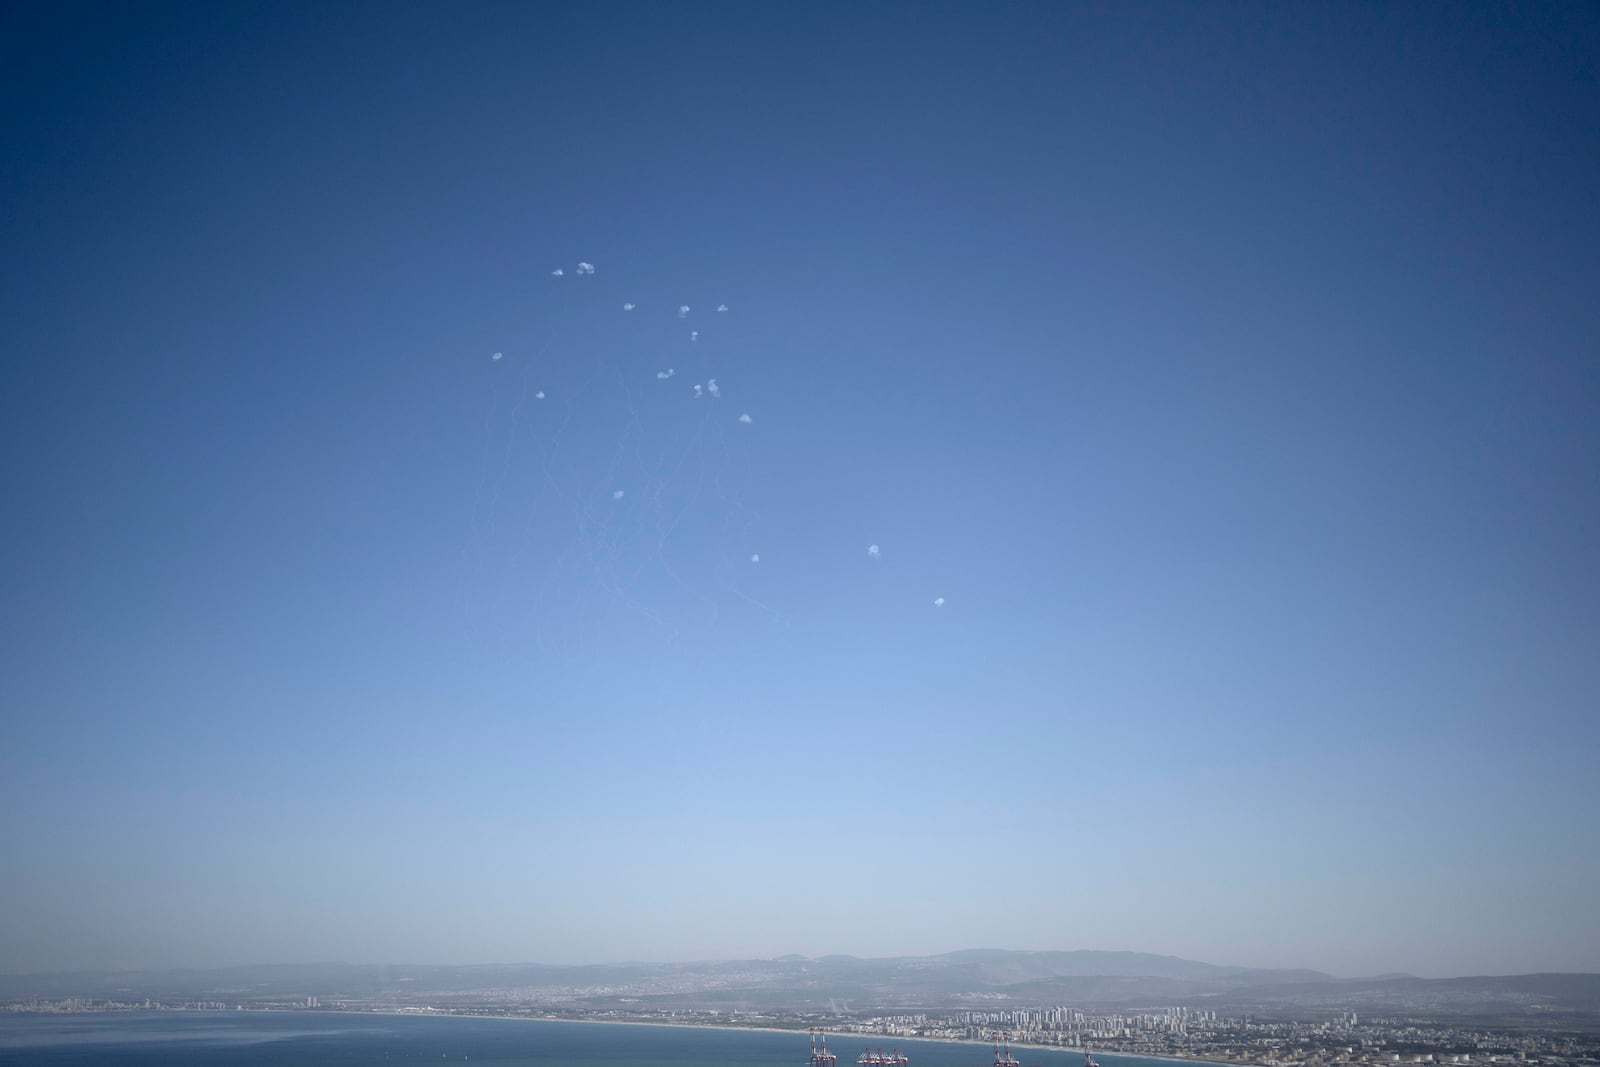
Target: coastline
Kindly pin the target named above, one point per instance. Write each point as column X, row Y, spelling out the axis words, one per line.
column 798, row 1033
column 975, row 1042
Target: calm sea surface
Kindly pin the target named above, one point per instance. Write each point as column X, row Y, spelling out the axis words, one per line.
column 258, row 1039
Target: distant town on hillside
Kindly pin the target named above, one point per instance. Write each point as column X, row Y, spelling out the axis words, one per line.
column 1116, row 1002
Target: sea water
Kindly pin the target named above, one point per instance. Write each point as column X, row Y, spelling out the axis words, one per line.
column 326, row 1039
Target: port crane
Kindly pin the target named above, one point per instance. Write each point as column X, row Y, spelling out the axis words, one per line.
column 1002, row 1052
column 820, row 1056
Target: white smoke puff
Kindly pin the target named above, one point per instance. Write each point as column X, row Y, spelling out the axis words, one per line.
column 694, row 335
column 745, row 418
column 697, row 392
column 629, row 306
column 872, row 551
column 722, row 307
column 665, row 374
column 711, row 387
column 938, row 601
column 539, row 395
column 585, row 268
column 558, row 272
column 756, row 558
column 616, row 494
column 683, row 310
column 496, row 356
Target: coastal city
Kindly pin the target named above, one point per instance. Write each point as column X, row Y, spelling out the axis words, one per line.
column 1344, row 1039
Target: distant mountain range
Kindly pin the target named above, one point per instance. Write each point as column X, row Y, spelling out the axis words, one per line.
column 986, row 979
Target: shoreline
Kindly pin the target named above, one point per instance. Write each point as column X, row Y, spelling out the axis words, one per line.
column 1069, row 1049
column 869, row 1038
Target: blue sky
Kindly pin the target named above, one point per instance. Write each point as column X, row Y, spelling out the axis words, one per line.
column 1228, row 370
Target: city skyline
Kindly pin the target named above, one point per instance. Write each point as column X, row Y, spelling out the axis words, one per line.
column 1173, row 1008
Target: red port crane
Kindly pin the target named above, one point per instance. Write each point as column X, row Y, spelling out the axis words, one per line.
column 1002, row 1053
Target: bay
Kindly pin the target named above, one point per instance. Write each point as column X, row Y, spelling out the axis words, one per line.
column 326, row 1039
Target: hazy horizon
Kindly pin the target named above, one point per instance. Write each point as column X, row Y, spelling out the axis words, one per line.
column 620, row 481
column 692, row 960
column 702, row 960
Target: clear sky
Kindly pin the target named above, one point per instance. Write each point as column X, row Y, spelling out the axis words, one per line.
column 1218, row 383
